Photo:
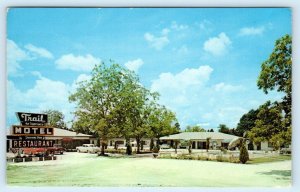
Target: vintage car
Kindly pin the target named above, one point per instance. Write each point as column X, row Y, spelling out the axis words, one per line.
column 34, row 151
column 88, row 148
column 56, row 149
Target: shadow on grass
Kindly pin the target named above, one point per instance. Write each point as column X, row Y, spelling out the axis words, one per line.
column 281, row 174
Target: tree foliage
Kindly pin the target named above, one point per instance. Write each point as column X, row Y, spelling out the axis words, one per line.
column 161, row 122
column 276, row 73
column 101, row 101
column 270, row 126
column 195, row 128
column 223, row 128
column 113, row 103
column 247, row 122
column 244, row 155
column 273, row 123
column 55, row 118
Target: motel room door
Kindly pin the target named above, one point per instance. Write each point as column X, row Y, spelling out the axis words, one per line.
column 201, row 145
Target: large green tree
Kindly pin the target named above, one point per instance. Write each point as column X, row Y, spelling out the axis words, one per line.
column 274, row 119
column 161, row 122
column 270, row 126
column 223, row 129
column 101, row 101
column 276, row 73
column 247, row 122
column 55, row 118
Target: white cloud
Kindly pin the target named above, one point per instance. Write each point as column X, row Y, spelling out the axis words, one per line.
column 15, row 55
column 182, row 50
column 77, row 63
column 45, row 94
column 41, row 52
column 205, row 25
column 187, row 77
column 178, row 27
column 158, row 42
column 251, row 31
column 194, row 99
column 217, row 45
column 82, row 77
column 134, row 65
column 165, row 32
column 227, row 87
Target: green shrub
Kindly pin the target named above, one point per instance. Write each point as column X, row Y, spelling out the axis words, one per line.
column 155, row 149
column 224, row 151
column 244, row 155
column 219, row 158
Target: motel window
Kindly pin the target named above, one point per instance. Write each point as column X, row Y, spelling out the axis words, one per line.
column 270, row 145
column 119, row 142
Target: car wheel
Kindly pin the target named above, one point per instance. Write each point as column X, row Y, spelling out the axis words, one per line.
column 78, row 151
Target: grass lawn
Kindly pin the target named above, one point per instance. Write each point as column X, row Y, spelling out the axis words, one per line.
column 90, row 170
column 269, row 159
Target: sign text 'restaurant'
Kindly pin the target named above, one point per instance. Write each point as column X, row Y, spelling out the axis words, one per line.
column 32, row 143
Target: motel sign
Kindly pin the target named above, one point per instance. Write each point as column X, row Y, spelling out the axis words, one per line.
column 35, row 119
column 32, row 130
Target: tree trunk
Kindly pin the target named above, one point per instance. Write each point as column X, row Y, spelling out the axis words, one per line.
column 102, row 148
column 138, row 140
column 128, row 147
column 151, row 144
column 176, row 145
column 116, row 146
column 142, row 145
column 157, row 142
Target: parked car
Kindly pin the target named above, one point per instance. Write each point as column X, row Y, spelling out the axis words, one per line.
column 287, row 150
column 34, row 151
column 88, row 148
column 56, row 149
column 165, row 146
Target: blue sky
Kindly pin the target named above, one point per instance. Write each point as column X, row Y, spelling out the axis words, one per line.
column 203, row 61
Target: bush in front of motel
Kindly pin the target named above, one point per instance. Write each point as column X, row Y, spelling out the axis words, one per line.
column 244, row 155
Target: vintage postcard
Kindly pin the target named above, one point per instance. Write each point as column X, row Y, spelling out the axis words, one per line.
column 149, row 97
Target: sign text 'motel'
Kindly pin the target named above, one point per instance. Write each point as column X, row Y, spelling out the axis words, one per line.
column 32, row 118
column 32, row 130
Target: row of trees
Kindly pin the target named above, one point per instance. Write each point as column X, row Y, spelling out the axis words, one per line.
column 197, row 128
column 272, row 120
column 113, row 103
